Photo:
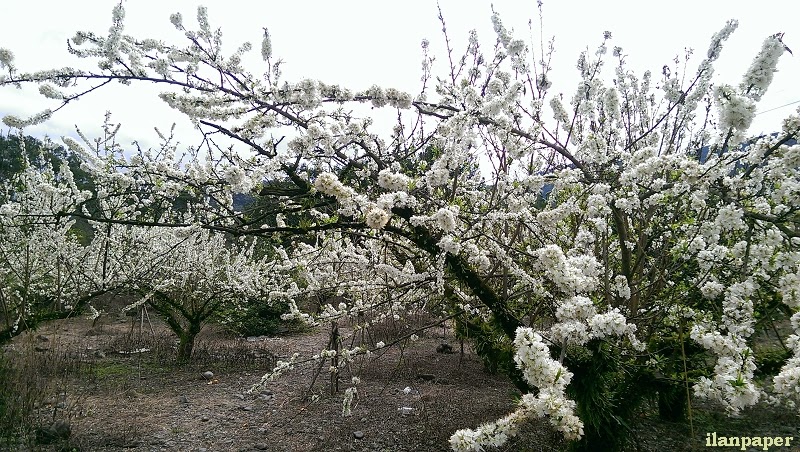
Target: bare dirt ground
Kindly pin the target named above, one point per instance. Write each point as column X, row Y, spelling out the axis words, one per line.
column 115, row 400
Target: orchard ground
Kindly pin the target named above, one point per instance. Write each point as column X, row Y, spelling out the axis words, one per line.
column 85, row 376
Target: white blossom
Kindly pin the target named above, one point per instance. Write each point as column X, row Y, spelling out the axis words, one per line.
column 377, row 218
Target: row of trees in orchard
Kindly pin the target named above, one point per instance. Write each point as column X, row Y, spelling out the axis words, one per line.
column 56, row 261
column 630, row 239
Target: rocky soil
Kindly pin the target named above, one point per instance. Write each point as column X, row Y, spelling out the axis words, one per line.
column 114, row 386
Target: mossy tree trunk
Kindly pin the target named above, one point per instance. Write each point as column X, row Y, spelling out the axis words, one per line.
column 185, row 322
column 186, row 341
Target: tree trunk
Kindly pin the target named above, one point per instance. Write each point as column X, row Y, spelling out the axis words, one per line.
column 186, row 343
column 672, row 404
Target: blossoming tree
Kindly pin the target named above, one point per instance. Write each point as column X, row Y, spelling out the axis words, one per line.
column 47, row 272
column 189, row 275
column 608, row 250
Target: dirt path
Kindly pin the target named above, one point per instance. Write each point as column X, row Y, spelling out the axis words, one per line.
column 117, row 400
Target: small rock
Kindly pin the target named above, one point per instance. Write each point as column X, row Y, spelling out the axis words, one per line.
column 42, row 338
column 240, row 396
column 208, row 375
column 57, row 431
column 204, row 419
column 444, row 348
column 247, row 408
column 40, row 349
column 426, row 377
column 183, row 399
column 131, row 394
column 405, row 411
column 358, row 434
column 99, row 354
column 261, row 446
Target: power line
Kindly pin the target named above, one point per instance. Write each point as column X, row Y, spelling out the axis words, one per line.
column 773, row 109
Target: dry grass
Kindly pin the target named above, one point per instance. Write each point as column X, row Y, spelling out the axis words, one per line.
column 36, row 392
column 46, row 378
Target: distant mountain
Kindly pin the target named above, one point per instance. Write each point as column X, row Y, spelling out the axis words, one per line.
column 242, row 200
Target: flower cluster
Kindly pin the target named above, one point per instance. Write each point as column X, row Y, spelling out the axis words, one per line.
column 732, row 383
column 437, row 176
column 347, row 403
column 759, row 75
column 393, row 181
column 573, row 274
column 445, row 218
column 541, row 371
column 735, row 110
column 377, row 218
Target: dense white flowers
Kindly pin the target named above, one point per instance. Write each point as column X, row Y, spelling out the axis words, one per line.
column 614, row 220
column 712, row 289
column 449, row 245
column 623, row 289
column 393, row 181
column 6, row 58
column 787, row 382
column 329, row 184
column 445, row 218
column 541, row 371
column 735, row 110
column 572, row 275
column 238, row 179
column 49, row 91
column 733, row 373
column 576, row 308
column 377, row 218
column 759, row 75
column 19, row 123
column 266, row 46
column 347, row 402
column 437, row 176
column 715, row 47
column 177, row 20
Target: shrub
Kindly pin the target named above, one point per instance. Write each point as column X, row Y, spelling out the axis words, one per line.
column 257, row 318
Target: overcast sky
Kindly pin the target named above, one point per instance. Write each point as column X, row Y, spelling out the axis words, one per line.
column 360, row 43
